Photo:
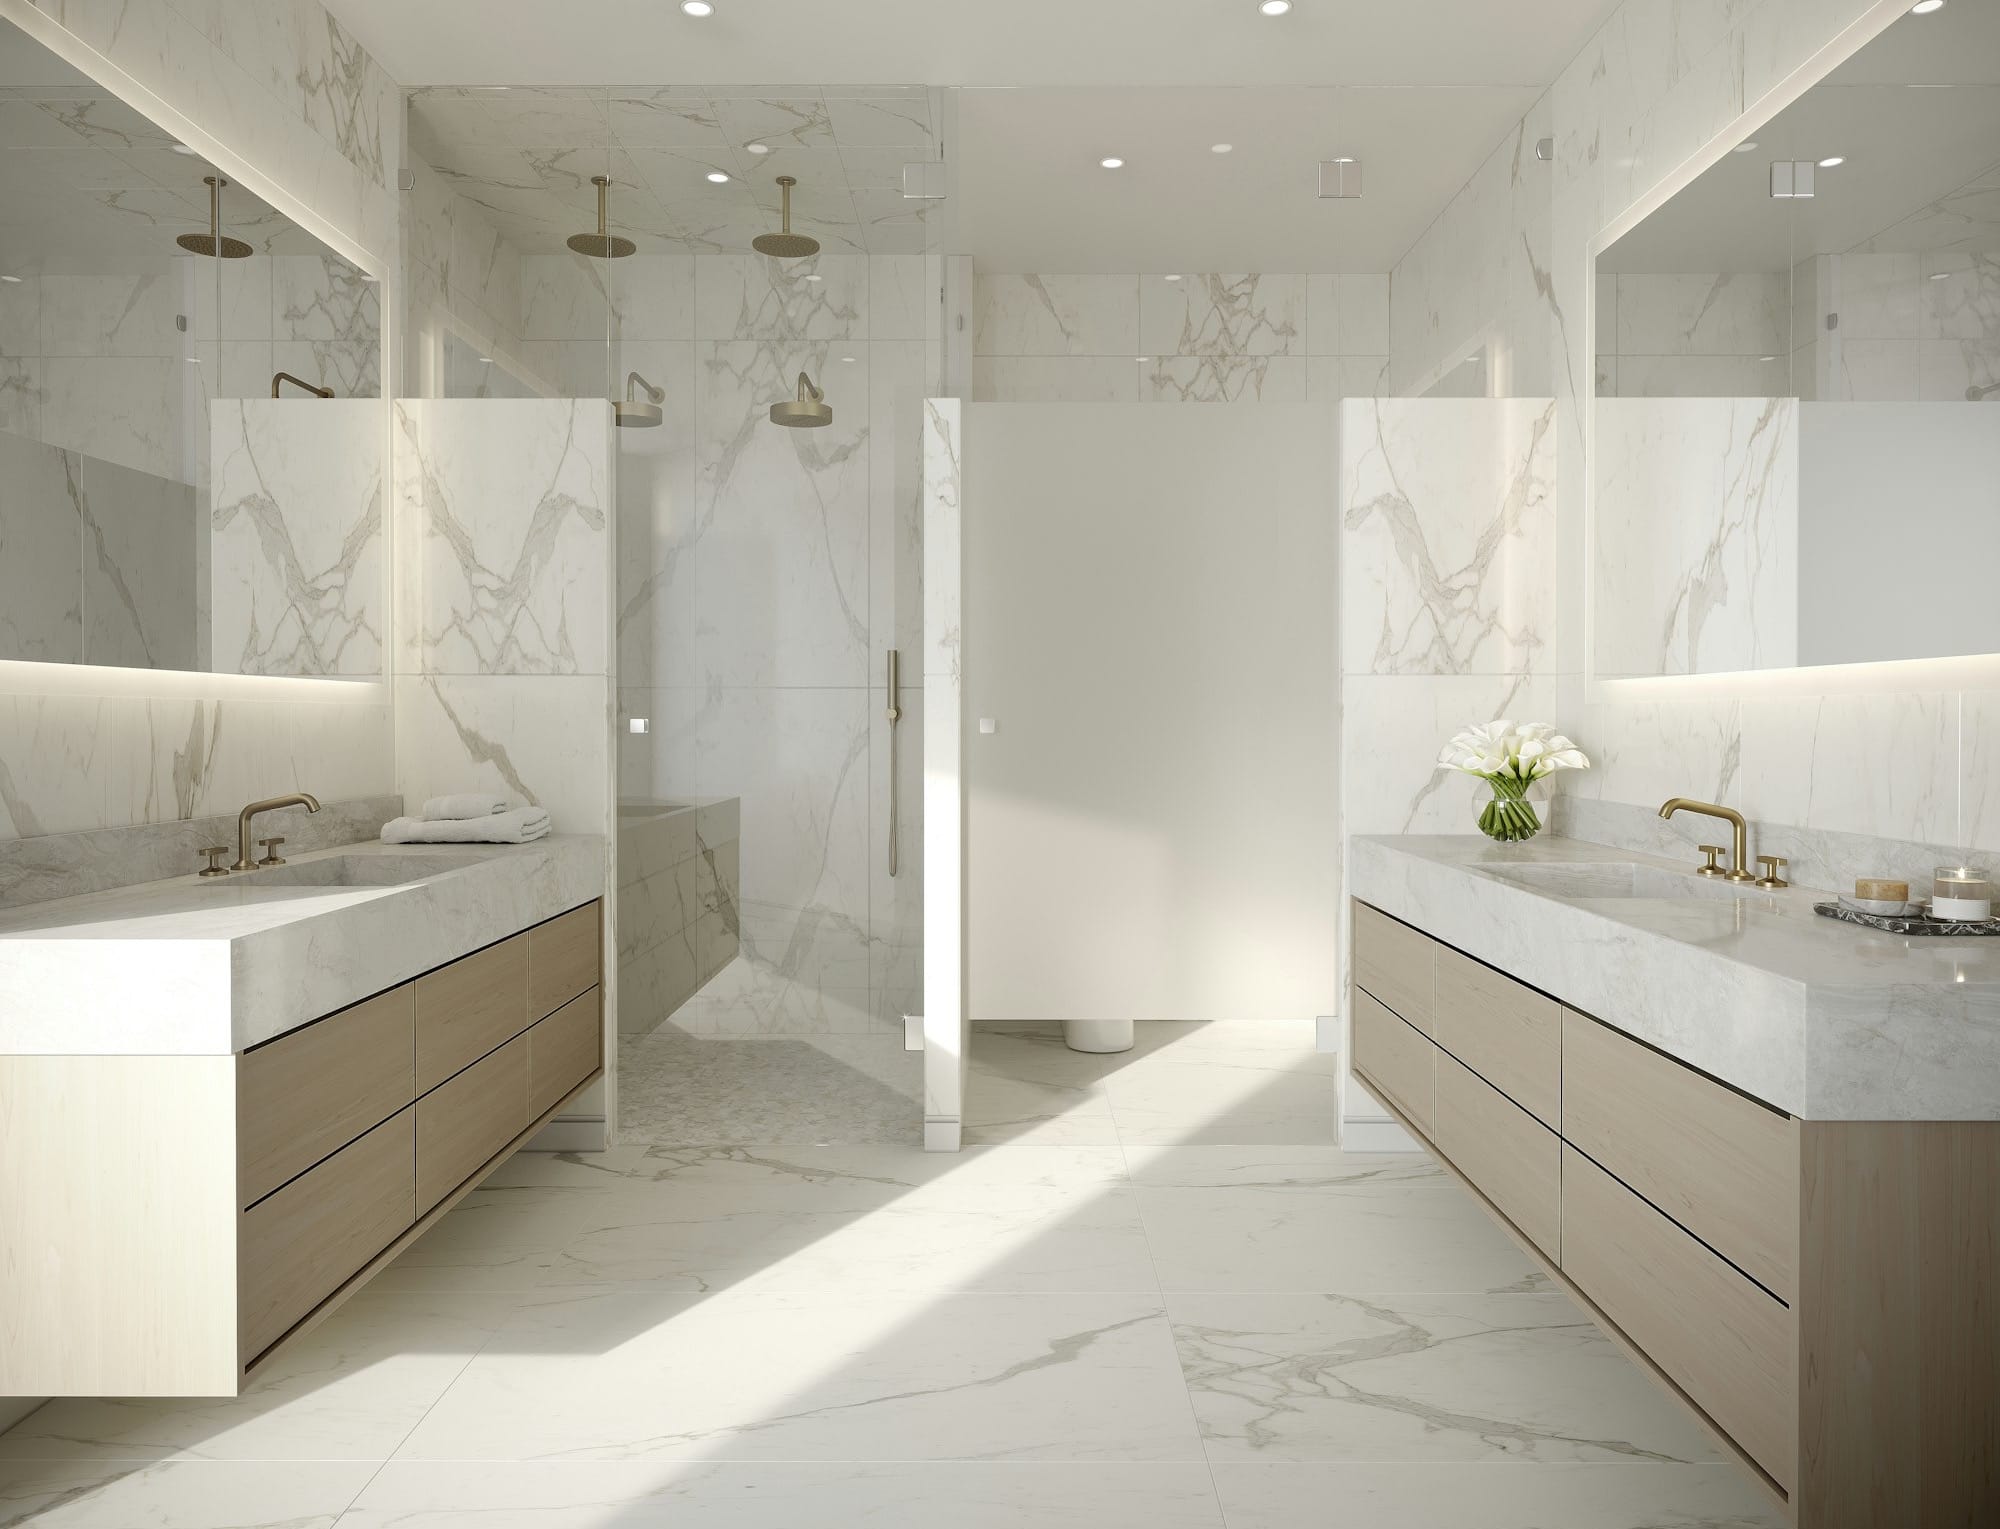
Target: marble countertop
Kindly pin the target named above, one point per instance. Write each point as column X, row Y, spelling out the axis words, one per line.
column 1822, row 1019
column 195, row 967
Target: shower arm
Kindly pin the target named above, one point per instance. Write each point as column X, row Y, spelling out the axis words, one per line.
column 653, row 394
column 282, row 377
column 809, row 391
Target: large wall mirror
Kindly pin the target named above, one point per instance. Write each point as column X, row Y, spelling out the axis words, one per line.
column 191, row 433
column 1797, row 417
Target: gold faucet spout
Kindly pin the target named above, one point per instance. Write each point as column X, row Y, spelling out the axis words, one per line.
column 303, row 799
column 1738, row 828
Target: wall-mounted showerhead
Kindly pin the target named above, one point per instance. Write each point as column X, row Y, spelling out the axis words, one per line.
column 215, row 243
column 786, row 245
column 632, row 413
column 808, row 411
column 602, row 245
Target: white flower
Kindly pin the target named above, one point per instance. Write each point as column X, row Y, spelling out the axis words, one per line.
column 1525, row 752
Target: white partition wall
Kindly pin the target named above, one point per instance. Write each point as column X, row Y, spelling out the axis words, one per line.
column 1149, row 627
column 945, row 1019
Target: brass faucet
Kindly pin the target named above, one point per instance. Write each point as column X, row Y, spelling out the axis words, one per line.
column 1738, row 828
column 243, row 860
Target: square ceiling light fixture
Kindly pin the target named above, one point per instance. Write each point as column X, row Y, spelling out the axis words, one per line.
column 1791, row 178
column 1340, row 179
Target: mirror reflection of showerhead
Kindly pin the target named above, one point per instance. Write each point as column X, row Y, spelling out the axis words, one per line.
column 214, row 243
column 631, row 412
column 602, row 245
column 808, row 411
column 786, row 245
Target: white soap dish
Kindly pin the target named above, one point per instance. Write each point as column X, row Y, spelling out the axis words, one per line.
column 1880, row 907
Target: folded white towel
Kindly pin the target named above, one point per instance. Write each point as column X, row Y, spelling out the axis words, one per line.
column 464, row 804
column 517, row 827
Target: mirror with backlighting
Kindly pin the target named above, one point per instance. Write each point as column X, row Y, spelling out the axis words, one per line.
column 191, row 435
column 1796, row 430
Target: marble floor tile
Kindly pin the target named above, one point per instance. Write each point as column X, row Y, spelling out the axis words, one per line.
column 841, row 1376
column 1365, row 1235
column 503, row 1239
column 1639, row 1495
column 681, row 1089
column 1414, row 1378
column 179, row 1494
column 351, row 1390
column 1300, row 1170
column 891, row 1495
column 866, row 1219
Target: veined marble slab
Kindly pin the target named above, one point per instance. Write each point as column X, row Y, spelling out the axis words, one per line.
column 191, row 967
column 1824, row 1020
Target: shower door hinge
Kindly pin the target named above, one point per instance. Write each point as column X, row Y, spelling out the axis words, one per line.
column 406, row 180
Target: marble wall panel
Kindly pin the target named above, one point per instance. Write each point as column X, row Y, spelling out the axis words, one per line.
column 1697, row 542
column 1056, row 316
column 753, row 297
column 1223, row 379
column 543, row 739
column 512, row 513
column 141, row 550
column 297, row 534
column 1347, row 315
column 41, row 553
column 1055, row 379
column 1448, row 536
column 124, row 409
column 1222, row 315
column 1720, row 315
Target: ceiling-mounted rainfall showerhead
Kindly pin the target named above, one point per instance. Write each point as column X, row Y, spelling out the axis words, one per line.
column 633, row 414
column 214, row 243
column 786, row 245
column 602, row 245
column 808, row 411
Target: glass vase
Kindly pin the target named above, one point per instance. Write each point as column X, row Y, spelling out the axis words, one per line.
column 1510, row 816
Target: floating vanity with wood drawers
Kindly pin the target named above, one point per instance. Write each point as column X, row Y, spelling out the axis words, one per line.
column 1672, row 1101
column 172, row 1219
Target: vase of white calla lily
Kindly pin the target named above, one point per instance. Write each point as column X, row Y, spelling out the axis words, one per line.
column 1511, row 756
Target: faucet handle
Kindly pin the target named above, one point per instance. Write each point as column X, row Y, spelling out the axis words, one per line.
column 1772, row 864
column 215, row 867
column 1712, row 851
column 271, row 855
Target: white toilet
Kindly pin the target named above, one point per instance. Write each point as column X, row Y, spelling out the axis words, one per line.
column 1097, row 1034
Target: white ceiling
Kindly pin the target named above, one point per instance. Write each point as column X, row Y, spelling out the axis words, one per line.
column 1033, row 197
column 526, row 155
column 983, row 42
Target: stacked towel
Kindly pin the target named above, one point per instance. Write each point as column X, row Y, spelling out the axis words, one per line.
column 464, row 804
column 519, row 826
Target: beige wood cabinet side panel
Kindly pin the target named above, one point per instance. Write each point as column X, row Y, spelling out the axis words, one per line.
column 1392, row 1057
column 1509, row 1034
column 1724, row 1167
column 302, row 1243
column 1725, row 1342
column 118, row 1226
column 467, row 1008
column 1899, row 1324
column 463, row 1123
column 1395, row 964
column 564, row 1049
column 565, row 957
column 308, row 1094
column 1514, row 1159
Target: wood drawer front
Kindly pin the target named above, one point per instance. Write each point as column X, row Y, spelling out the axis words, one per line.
column 298, row 1246
column 1724, row 1167
column 563, row 1050
column 308, row 1094
column 1393, row 1058
column 464, row 1122
column 1514, row 1159
column 467, row 1008
column 1725, row 1342
column 564, row 956
column 1395, row 964
column 1509, row 1034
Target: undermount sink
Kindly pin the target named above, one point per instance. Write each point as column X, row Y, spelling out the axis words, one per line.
column 345, row 871
column 1586, row 880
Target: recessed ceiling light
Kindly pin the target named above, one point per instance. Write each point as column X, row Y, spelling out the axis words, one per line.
column 1935, row 276
column 1767, row 358
column 1142, row 360
column 1275, row 7
column 814, row 276
column 848, row 359
column 485, row 360
column 758, row 148
column 1112, row 162
column 1220, row 148
column 717, row 177
column 16, row 281
column 1170, row 278
column 1925, row 7
column 697, row 7
column 181, row 148
column 1746, row 146
column 1832, row 160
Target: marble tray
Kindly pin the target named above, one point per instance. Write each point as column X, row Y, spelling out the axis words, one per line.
column 1911, row 923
